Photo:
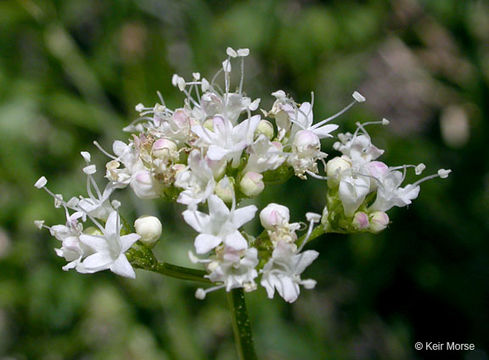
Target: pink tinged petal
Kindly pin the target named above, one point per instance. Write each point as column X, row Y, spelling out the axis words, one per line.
column 243, row 215
column 97, row 261
column 128, row 240
column 205, row 243
column 123, row 268
column 96, row 242
column 236, row 241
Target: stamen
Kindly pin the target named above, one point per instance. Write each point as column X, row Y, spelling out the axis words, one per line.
column 103, row 151
column 356, row 98
column 201, row 293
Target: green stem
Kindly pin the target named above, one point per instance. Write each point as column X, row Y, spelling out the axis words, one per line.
column 142, row 257
column 241, row 325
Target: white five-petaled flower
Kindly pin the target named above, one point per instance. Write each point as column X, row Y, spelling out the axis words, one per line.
column 235, row 268
column 282, row 272
column 109, row 249
column 227, row 141
column 390, row 194
column 219, row 226
column 197, row 180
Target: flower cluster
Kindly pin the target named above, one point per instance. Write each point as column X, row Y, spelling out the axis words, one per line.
column 210, row 154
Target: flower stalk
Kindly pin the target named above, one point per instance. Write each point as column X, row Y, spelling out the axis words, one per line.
column 243, row 336
column 143, row 258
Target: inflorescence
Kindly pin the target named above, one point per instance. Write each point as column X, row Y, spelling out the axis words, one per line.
column 211, row 153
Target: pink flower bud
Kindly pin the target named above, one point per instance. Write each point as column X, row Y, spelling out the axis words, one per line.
column 306, row 141
column 273, row 215
column 377, row 169
column 252, row 184
column 164, row 149
column 360, row 221
column 378, row 221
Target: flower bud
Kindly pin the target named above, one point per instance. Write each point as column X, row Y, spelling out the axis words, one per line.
column 252, row 184
column 149, row 228
column 306, row 142
column 164, row 149
column 264, row 127
column 360, row 221
column 273, row 215
column 224, row 189
column 334, row 168
column 92, row 230
column 209, row 124
column 378, row 221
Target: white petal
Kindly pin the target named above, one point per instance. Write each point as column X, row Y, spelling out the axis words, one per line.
column 128, row 240
column 122, row 267
column 236, row 241
column 205, row 243
column 196, row 219
column 98, row 261
column 96, row 242
column 112, row 226
column 216, row 152
column 243, row 215
column 324, row 131
column 217, row 208
column 304, row 259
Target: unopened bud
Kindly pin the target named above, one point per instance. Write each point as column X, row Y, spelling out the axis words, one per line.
column 149, row 228
column 252, row 184
column 378, row 221
column 334, row 168
column 273, row 215
column 92, row 230
column 265, row 127
column 164, row 149
column 224, row 189
column 306, row 142
column 360, row 221
column 209, row 124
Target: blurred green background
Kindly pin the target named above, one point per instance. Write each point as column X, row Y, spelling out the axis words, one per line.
column 71, row 72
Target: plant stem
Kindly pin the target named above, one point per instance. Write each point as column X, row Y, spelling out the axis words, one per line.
column 142, row 257
column 243, row 336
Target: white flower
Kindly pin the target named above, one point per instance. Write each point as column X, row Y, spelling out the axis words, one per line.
column 72, row 250
column 358, row 148
column 264, row 155
column 304, row 119
column 227, row 142
column 234, row 268
column 109, row 249
column 352, row 190
column 282, row 272
column 390, row 194
column 219, row 226
column 197, row 181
